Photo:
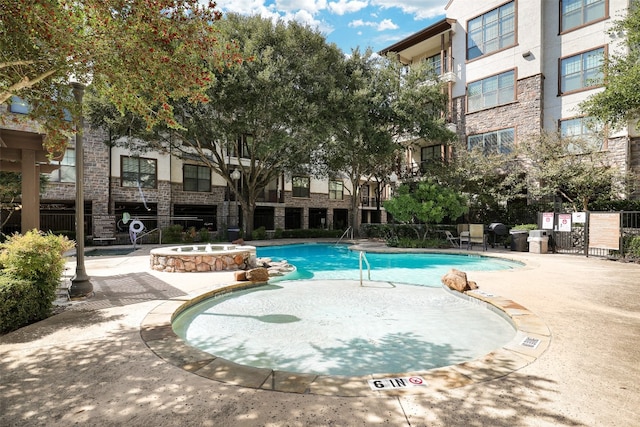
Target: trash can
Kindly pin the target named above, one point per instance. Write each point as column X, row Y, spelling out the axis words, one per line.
column 519, row 240
column 233, row 234
column 538, row 242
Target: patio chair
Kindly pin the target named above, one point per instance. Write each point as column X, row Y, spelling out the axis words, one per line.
column 477, row 235
column 455, row 241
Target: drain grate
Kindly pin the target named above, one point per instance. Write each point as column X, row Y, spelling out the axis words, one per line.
column 530, row 342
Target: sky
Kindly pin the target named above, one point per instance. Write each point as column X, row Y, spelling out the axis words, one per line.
column 349, row 23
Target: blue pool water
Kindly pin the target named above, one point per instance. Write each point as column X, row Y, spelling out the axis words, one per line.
column 309, row 322
column 328, row 261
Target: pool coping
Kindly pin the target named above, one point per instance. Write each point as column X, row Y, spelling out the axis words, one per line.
column 531, row 340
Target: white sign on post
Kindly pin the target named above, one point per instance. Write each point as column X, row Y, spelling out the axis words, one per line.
column 547, row 220
column 580, row 217
column 564, row 222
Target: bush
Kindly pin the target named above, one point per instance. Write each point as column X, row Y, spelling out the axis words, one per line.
column 312, row 233
column 31, row 268
column 20, row 303
column 278, row 233
column 259, row 233
column 172, row 234
column 632, row 246
column 203, row 235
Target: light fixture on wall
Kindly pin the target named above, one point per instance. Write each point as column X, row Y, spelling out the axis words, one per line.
column 526, row 54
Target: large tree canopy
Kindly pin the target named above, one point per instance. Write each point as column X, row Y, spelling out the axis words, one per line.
column 620, row 100
column 381, row 104
column 266, row 117
column 141, row 55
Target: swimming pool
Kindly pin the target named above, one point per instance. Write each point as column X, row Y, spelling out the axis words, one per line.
column 322, row 321
column 328, row 261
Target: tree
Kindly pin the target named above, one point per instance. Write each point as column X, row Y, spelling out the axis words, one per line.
column 491, row 179
column 381, row 103
column 425, row 202
column 619, row 102
column 574, row 169
column 141, row 55
column 266, row 117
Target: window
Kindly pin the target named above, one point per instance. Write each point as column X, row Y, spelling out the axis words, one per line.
column 138, row 172
column 436, row 62
column 581, row 71
column 584, row 129
column 500, row 141
column 241, row 148
column 301, row 186
column 492, row 31
column 492, row 91
column 67, row 168
column 196, row 178
column 429, row 156
column 19, row 105
column 576, row 13
column 336, row 190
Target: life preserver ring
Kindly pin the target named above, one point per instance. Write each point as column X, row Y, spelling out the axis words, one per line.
column 136, row 226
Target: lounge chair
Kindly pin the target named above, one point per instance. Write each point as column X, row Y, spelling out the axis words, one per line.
column 455, row 241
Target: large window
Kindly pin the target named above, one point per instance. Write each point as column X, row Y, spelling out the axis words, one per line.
column 492, row 91
column 576, row 13
column 66, row 171
column 581, row 71
column 500, row 141
column 336, row 190
column 584, row 129
column 301, row 186
column 492, row 31
column 139, row 172
column 196, row 178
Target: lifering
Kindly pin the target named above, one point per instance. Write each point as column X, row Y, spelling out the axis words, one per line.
column 136, row 226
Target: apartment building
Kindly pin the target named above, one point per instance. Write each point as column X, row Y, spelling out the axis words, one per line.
column 516, row 68
column 159, row 189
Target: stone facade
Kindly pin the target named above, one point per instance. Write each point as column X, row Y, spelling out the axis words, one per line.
column 524, row 114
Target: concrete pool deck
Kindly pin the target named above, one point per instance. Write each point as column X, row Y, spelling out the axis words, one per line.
column 90, row 364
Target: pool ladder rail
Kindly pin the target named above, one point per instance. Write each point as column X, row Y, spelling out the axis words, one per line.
column 348, row 231
column 361, row 258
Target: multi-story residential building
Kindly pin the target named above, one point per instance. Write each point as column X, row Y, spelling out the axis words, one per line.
column 515, row 68
column 157, row 188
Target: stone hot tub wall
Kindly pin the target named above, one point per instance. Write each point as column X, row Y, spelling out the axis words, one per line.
column 171, row 261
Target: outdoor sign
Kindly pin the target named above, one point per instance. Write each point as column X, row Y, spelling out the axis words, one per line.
column 564, row 222
column 580, row 217
column 604, row 230
column 396, row 383
column 547, row 220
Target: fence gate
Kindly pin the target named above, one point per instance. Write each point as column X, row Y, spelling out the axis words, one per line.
column 602, row 234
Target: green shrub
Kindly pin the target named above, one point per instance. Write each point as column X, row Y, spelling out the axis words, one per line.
column 203, row 235
column 33, row 260
column 312, row 233
column 172, row 234
column 278, row 233
column 527, row 227
column 259, row 233
column 20, row 303
column 632, row 246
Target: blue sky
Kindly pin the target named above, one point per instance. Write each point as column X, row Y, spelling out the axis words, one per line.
column 349, row 23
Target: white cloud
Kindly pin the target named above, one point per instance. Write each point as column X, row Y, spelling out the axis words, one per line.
column 346, row 6
column 385, row 24
column 310, row 6
column 422, row 9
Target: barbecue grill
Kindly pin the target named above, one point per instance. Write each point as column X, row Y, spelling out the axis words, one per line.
column 497, row 232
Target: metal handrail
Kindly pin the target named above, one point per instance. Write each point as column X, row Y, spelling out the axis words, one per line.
column 141, row 235
column 345, row 233
column 364, row 257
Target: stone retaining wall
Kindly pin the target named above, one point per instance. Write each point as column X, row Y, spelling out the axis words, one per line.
column 171, row 261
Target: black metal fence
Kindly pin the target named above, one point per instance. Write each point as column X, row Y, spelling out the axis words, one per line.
column 601, row 234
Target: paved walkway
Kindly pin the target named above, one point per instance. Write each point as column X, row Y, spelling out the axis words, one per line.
column 89, row 364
